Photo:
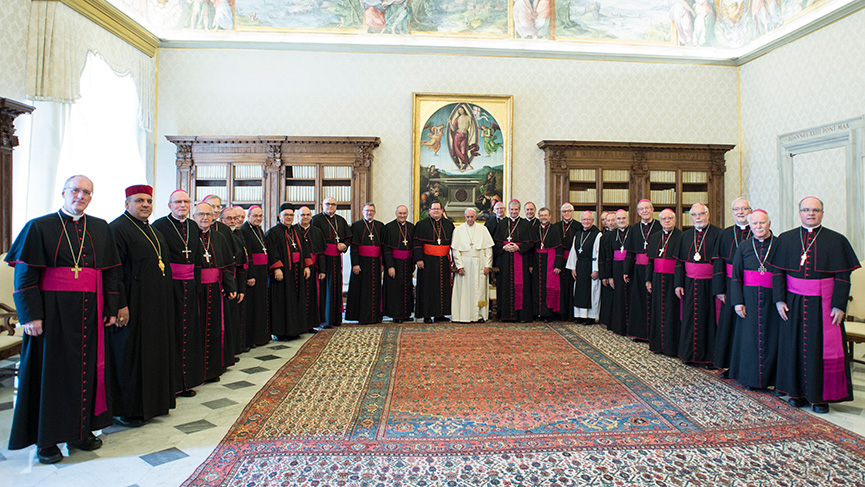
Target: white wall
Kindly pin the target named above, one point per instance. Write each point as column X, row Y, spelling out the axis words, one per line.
column 818, row 79
column 257, row 92
column 14, row 23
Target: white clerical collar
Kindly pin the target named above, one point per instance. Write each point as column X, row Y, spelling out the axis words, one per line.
column 530, row 219
column 645, row 223
column 700, row 229
column 514, row 219
column 304, row 227
column 665, row 232
column 810, row 229
column 70, row 215
column 742, row 226
column 205, row 231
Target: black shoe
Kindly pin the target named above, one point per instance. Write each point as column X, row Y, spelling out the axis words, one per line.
column 245, row 349
column 212, row 379
column 49, row 455
column 427, row 320
column 397, row 320
column 797, row 402
column 312, row 330
column 128, row 422
column 725, row 374
column 187, row 393
column 820, row 408
column 89, row 443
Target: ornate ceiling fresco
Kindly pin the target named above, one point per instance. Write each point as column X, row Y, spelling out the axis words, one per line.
column 696, row 29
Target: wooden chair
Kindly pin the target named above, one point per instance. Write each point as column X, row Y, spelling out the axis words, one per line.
column 855, row 324
column 10, row 343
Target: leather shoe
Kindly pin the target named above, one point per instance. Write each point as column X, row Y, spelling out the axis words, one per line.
column 89, row 443
column 397, row 320
column 128, row 422
column 797, row 402
column 212, row 379
column 725, row 374
column 427, row 320
column 49, row 455
column 820, row 408
column 187, row 393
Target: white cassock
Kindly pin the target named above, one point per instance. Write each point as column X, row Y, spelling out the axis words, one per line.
column 472, row 248
column 596, row 283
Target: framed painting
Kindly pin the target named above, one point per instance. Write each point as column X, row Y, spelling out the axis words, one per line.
column 462, row 150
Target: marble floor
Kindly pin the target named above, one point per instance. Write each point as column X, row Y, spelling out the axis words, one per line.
column 166, row 451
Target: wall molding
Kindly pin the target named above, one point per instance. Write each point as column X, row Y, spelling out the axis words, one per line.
column 113, row 20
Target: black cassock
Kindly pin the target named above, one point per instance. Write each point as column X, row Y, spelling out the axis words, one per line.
column 285, row 252
column 313, row 245
column 217, row 282
column 255, row 300
column 635, row 268
column 62, row 393
column 616, row 255
column 233, row 315
column 513, row 298
column 729, row 241
column 184, row 251
column 666, row 308
column 140, row 353
column 364, row 303
column 566, row 279
column 605, row 271
column 398, row 290
column 697, row 333
column 548, row 255
column 754, row 348
column 432, row 244
column 812, row 355
column 336, row 231
column 491, row 226
column 236, row 307
column 584, row 244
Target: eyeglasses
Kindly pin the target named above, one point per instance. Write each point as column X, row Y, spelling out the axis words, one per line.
column 810, row 210
column 85, row 192
column 741, row 208
column 700, row 213
column 330, row 204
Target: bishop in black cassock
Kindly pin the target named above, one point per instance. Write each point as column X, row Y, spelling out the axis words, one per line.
column 257, row 314
column 399, row 266
column 605, row 265
column 694, row 285
column 548, row 263
column 432, row 246
column 568, row 228
column 183, row 238
column 313, row 244
column 616, row 255
column 514, row 240
column 66, row 288
column 583, row 262
column 364, row 303
column 337, row 238
column 811, row 284
column 141, row 345
column 635, row 269
column 666, row 308
column 289, row 266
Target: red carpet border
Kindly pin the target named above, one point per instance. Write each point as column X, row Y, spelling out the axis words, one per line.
column 499, row 405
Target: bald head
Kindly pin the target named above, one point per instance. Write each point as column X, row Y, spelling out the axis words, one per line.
column 179, row 204
column 622, row 219
column 811, row 212
column 667, row 217
column 741, row 209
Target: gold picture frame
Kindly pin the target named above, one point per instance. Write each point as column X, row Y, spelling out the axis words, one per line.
column 462, row 152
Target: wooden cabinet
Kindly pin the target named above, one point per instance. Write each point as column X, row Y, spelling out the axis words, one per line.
column 9, row 111
column 268, row 171
column 607, row 176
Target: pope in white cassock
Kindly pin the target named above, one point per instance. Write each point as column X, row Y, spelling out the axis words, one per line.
column 583, row 262
column 472, row 248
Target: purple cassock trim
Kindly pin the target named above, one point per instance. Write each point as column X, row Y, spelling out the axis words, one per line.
column 295, row 257
column 698, row 271
column 665, row 266
column 518, row 280
column 331, row 250
column 259, row 259
column 619, row 254
column 369, row 250
column 88, row 280
column 401, row 254
column 182, row 272
column 730, row 271
column 210, row 276
column 553, row 284
column 756, row 279
column 834, row 377
column 567, row 254
column 642, row 259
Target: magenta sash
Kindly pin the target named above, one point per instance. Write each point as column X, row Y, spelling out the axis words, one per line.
column 755, row 279
column 553, row 284
column 698, row 271
column 665, row 266
column 619, row 254
column 567, row 254
column 834, row 377
column 730, row 272
column 331, row 250
column 89, row 280
column 259, row 259
column 369, row 250
column 401, row 254
column 518, row 278
column 182, row 272
column 642, row 259
column 209, row 276
column 295, row 257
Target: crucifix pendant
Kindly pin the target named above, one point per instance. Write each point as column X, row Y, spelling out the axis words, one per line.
column 645, row 244
column 542, row 246
column 161, row 266
column 439, row 240
column 207, row 255
column 762, row 269
column 580, row 250
column 76, row 270
column 337, row 239
column 622, row 248
column 405, row 242
column 509, row 239
column 697, row 256
column 804, row 258
column 293, row 244
column 264, row 249
column 660, row 252
column 370, row 236
column 186, row 252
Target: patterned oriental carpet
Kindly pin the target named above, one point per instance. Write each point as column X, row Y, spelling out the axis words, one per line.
column 499, row 404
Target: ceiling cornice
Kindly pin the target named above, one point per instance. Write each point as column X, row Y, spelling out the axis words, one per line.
column 113, row 20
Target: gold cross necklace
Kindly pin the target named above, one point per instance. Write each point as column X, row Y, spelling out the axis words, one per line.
column 75, row 260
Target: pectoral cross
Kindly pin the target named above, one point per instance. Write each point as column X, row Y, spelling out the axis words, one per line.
column 76, row 270
column 207, row 255
column 405, row 242
column 542, row 246
column 370, row 236
column 161, row 266
column 293, row 244
column 762, row 269
column 509, row 238
column 622, row 248
column 439, row 240
column 697, row 256
column 804, row 258
column 264, row 249
column 337, row 239
column 186, row 252
column 645, row 244
column 580, row 250
column 660, row 252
